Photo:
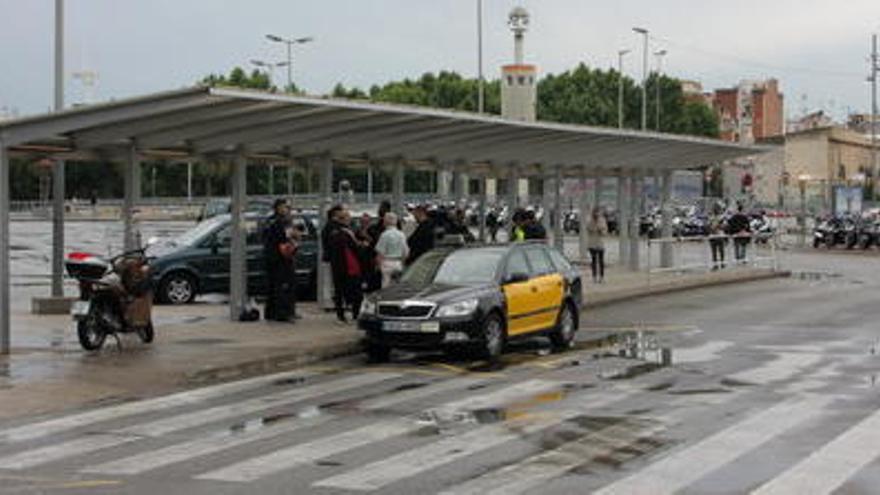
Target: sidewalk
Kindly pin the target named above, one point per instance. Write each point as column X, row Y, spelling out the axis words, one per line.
column 197, row 345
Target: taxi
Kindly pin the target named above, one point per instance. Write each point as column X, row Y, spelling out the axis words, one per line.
column 475, row 297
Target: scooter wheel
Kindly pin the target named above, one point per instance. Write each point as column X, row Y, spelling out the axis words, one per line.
column 91, row 337
column 147, row 333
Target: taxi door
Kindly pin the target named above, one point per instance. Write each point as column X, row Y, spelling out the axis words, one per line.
column 520, row 296
column 550, row 287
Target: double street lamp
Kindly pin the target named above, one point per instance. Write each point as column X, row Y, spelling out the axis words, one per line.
column 289, row 42
column 270, row 68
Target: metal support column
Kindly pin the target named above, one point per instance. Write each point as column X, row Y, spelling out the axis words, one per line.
column 666, row 218
column 512, row 189
column 128, row 235
column 325, row 187
column 636, row 190
column 370, row 182
column 458, row 189
column 238, row 295
column 484, row 200
column 558, row 234
column 546, row 199
column 290, row 180
column 623, row 218
column 583, row 206
column 5, row 288
column 397, row 187
column 58, row 169
column 443, row 183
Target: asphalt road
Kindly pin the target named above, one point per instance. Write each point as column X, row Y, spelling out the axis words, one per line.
column 768, row 386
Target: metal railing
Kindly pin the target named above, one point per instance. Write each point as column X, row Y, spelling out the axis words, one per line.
column 690, row 254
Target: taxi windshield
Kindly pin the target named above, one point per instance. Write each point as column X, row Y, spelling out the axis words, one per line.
column 463, row 267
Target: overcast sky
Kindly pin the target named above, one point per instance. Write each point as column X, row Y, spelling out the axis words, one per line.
column 817, row 48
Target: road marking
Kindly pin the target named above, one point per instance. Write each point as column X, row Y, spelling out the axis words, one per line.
column 527, row 475
column 297, row 455
column 379, row 474
column 783, row 367
column 828, row 468
column 93, row 443
column 52, row 453
column 224, row 440
column 196, row 418
column 674, row 472
column 49, row 427
column 706, row 352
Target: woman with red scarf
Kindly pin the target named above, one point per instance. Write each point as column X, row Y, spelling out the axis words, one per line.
column 345, row 253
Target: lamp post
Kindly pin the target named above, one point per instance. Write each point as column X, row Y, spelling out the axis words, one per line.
column 659, row 54
column 644, row 33
column 289, row 42
column 270, row 67
column 481, row 89
column 802, row 184
column 620, row 55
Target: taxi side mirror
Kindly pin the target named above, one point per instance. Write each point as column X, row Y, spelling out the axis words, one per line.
column 516, row 278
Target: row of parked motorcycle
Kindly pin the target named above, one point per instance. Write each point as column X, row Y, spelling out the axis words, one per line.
column 849, row 231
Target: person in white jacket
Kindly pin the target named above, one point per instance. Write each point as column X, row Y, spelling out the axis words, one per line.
column 391, row 250
column 597, row 229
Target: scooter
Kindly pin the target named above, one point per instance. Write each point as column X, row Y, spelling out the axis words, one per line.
column 115, row 297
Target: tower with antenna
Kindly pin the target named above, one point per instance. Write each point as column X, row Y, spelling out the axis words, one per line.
column 519, row 81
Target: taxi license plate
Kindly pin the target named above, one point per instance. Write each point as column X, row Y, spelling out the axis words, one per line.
column 411, row 326
column 80, row 308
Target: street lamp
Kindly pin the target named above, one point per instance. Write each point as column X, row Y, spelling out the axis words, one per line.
column 802, row 184
column 620, row 55
column 289, row 42
column 644, row 33
column 270, row 67
column 659, row 54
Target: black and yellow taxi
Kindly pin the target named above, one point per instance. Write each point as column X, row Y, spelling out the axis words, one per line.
column 478, row 297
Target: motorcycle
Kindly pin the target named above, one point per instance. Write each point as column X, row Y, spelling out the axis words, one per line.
column 834, row 231
column 571, row 222
column 761, row 229
column 869, row 233
column 115, row 297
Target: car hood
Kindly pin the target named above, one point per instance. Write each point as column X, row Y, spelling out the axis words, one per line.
column 434, row 292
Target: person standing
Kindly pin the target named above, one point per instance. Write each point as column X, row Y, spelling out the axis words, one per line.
column 534, row 231
column 717, row 241
column 280, row 244
column 597, row 229
column 422, row 239
column 345, row 264
column 518, row 232
column 391, row 250
column 738, row 227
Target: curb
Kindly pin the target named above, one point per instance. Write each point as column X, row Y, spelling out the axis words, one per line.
column 271, row 364
column 671, row 288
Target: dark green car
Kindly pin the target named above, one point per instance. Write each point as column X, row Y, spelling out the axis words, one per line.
column 197, row 262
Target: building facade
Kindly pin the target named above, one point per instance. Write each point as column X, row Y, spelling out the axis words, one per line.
column 750, row 111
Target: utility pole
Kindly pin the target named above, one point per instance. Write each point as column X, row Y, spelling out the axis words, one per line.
column 620, row 55
column 659, row 54
column 58, row 188
column 481, row 89
column 644, row 33
column 875, row 66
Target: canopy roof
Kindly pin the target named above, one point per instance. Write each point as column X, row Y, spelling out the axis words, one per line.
column 202, row 122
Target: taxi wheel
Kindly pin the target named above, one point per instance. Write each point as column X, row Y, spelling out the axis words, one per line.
column 566, row 326
column 378, row 353
column 493, row 337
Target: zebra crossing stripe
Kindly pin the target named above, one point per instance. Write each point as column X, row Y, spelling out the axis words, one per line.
column 49, row 427
column 297, row 455
column 96, row 442
column 785, row 366
column 225, row 440
column 379, row 474
column 674, row 472
column 826, row 469
column 197, row 418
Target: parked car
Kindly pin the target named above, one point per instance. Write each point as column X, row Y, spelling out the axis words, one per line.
column 475, row 297
column 222, row 206
column 197, row 262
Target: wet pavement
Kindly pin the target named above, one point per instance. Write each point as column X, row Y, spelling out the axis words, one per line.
column 769, row 387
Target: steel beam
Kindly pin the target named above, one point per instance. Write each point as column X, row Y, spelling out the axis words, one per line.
column 238, row 295
column 324, row 166
column 558, row 239
column 666, row 260
column 398, row 187
column 623, row 201
column 583, row 205
column 636, row 192
column 484, row 200
column 5, row 288
column 131, row 164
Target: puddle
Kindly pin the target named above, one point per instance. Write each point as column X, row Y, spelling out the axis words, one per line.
column 289, row 381
column 699, row 391
column 631, row 371
column 730, row 382
column 815, row 276
column 442, row 419
column 660, row 386
column 251, row 425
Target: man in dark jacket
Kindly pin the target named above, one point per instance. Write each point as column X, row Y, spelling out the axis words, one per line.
column 422, row 239
column 533, row 228
column 738, row 227
column 279, row 246
column 344, row 253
